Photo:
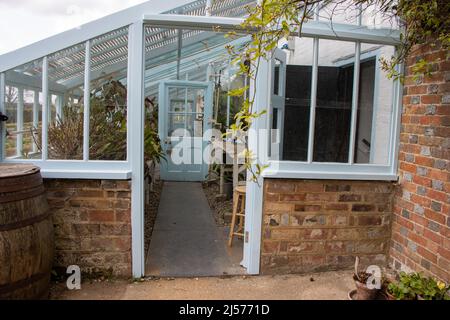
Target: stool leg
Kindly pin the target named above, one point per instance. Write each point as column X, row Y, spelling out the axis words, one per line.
column 233, row 219
column 242, row 211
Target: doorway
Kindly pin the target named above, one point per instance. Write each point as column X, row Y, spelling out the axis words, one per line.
column 182, row 77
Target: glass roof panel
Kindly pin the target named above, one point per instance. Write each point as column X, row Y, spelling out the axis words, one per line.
column 110, row 50
column 66, row 64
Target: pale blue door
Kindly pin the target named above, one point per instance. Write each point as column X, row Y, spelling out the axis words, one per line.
column 185, row 112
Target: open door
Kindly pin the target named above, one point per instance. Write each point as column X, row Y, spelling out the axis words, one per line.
column 278, row 97
column 185, row 109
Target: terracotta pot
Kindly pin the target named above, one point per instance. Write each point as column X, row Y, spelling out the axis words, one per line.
column 364, row 293
column 389, row 296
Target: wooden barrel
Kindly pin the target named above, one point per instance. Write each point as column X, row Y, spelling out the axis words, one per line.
column 26, row 234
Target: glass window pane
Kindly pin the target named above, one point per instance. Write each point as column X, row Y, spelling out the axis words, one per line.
column 66, row 109
column 229, row 106
column 177, row 99
column 203, row 53
column 334, row 101
column 340, row 12
column 108, row 87
column 374, row 17
column 298, row 99
column 11, row 97
column 365, row 111
column 196, row 100
column 195, row 125
column 274, row 133
column 276, row 85
column 23, row 128
column 375, row 107
column 347, row 12
column 30, row 123
column 177, row 124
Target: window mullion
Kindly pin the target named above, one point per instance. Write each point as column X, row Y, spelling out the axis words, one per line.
column 314, row 82
column 59, row 107
column 45, row 109
column 19, row 121
column 396, row 120
column 355, row 102
column 35, row 116
column 228, row 94
column 3, row 111
column 87, row 101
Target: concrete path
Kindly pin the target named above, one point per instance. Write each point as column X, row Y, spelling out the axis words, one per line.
column 186, row 241
column 322, row 286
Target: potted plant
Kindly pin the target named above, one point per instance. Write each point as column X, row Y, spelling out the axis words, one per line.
column 416, row 286
column 362, row 280
column 432, row 289
column 400, row 290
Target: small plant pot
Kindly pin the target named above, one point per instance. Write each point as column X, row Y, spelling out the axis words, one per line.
column 389, row 296
column 364, row 293
column 352, row 295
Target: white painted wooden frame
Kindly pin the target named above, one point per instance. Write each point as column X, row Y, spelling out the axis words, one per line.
column 277, row 102
column 35, row 115
column 87, row 100
column 255, row 193
column 45, row 109
column 19, row 121
column 320, row 29
column 136, row 112
column 3, row 111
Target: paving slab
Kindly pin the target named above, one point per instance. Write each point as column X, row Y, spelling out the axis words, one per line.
column 186, row 241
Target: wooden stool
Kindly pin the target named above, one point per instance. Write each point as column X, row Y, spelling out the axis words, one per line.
column 238, row 213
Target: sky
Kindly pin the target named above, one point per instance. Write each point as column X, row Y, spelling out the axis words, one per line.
column 23, row 22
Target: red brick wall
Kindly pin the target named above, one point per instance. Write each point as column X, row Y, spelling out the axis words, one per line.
column 92, row 225
column 421, row 226
column 320, row 225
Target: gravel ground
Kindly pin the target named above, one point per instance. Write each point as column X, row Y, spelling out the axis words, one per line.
column 321, row 286
column 151, row 211
column 220, row 206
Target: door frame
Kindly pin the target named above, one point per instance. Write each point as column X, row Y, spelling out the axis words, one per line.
column 254, row 199
column 163, row 112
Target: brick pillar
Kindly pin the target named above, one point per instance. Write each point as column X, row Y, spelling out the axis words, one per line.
column 421, row 226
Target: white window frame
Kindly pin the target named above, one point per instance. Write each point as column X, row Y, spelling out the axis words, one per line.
column 71, row 169
column 346, row 171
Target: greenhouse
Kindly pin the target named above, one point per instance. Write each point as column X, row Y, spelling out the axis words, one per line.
column 82, row 106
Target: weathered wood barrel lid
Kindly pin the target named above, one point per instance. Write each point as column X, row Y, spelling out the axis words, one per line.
column 17, row 170
column 19, row 182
